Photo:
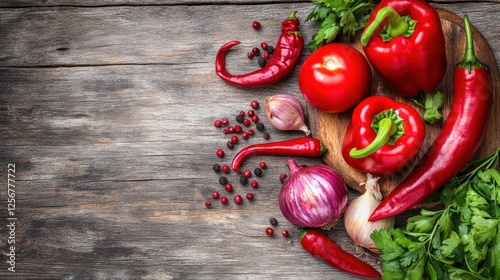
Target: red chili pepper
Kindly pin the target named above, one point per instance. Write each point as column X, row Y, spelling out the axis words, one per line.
column 286, row 54
column 319, row 245
column 383, row 136
column 408, row 52
column 304, row 147
column 460, row 138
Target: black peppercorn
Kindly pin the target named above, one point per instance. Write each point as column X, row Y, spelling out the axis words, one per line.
column 223, row 180
column 273, row 221
column 240, row 118
column 243, row 180
column 216, row 167
column 258, row 172
column 262, row 62
column 260, row 127
column 270, row 49
column 266, row 136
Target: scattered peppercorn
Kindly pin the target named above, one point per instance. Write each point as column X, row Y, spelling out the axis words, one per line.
column 285, row 233
column 234, row 139
column 250, row 55
column 251, row 113
column 228, row 187
column 270, row 49
column 266, row 55
column 251, row 132
column 223, row 180
column 258, row 172
column 256, row 25
column 216, row 167
column 255, row 118
column 254, row 184
column 215, row 195
column 208, row 203
column 240, row 118
column 269, row 231
column 266, row 136
column 217, row 123
column 224, row 121
column 243, row 180
column 250, row 196
column 262, row 62
column 246, row 122
column 225, row 168
column 247, row 173
column 238, row 199
column 264, row 45
column 230, row 144
column 262, row 164
column 255, row 104
column 223, row 200
column 230, row 129
column 237, row 129
column 256, row 51
column 283, row 178
column 245, row 135
column 273, row 221
column 260, row 127
column 220, row 153
column 225, row 131
column 242, row 113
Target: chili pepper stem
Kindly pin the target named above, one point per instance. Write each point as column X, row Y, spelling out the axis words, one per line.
column 397, row 25
column 387, row 128
column 470, row 60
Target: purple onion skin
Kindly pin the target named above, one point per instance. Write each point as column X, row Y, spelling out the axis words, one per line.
column 313, row 196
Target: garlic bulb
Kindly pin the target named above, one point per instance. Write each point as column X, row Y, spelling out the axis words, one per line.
column 359, row 210
column 285, row 112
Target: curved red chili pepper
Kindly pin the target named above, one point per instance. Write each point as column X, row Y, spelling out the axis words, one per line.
column 410, row 56
column 383, row 136
column 319, row 245
column 460, row 138
column 284, row 58
column 304, row 147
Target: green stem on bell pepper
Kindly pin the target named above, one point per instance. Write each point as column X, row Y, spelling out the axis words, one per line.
column 398, row 26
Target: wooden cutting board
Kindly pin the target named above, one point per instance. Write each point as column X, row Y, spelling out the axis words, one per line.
column 330, row 128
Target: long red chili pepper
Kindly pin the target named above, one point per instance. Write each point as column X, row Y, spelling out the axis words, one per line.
column 286, row 54
column 460, row 138
column 319, row 245
column 304, row 146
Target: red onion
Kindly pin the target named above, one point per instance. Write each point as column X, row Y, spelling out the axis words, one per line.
column 313, row 196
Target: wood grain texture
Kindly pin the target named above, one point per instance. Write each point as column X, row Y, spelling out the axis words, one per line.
column 330, row 128
column 106, row 109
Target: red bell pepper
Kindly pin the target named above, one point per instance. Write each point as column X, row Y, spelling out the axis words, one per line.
column 383, row 136
column 408, row 52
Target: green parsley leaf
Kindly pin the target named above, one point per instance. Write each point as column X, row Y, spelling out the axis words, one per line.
column 450, row 244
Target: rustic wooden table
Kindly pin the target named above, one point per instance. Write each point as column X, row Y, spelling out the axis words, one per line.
column 106, row 112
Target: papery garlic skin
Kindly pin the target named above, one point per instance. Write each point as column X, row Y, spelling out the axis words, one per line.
column 285, row 112
column 359, row 210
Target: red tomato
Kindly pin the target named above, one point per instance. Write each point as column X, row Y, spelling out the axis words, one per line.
column 335, row 78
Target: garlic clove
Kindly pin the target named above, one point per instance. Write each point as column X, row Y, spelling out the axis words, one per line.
column 285, row 112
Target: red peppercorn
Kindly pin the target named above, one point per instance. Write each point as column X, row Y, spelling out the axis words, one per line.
column 262, row 165
column 230, row 144
column 245, row 135
column 238, row 199
column 264, row 45
column 250, row 55
column 220, row 153
column 247, row 173
column 234, row 139
column 242, row 113
column 225, row 131
column 215, row 195
column 228, row 187
column 223, row 200
column 225, row 168
column 256, row 51
column 224, row 121
column 256, row 25
column 251, row 132
column 254, row 104
column 269, row 231
column 230, row 129
column 254, row 184
column 285, row 233
column 208, row 203
column 250, row 196
column 255, row 118
column 251, row 113
column 217, row 123
column 266, row 55
column 266, row 136
column 246, row 122
column 237, row 129
column 283, row 178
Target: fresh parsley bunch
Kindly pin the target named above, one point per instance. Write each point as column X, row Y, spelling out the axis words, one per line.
column 334, row 16
column 461, row 241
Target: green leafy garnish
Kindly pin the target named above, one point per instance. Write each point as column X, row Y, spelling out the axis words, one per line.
column 460, row 241
column 335, row 16
column 432, row 103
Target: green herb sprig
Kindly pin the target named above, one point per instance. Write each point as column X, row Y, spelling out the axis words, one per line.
column 335, row 16
column 461, row 241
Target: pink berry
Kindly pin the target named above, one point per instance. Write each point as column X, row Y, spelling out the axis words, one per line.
column 251, row 132
column 220, row 153
column 215, row 195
